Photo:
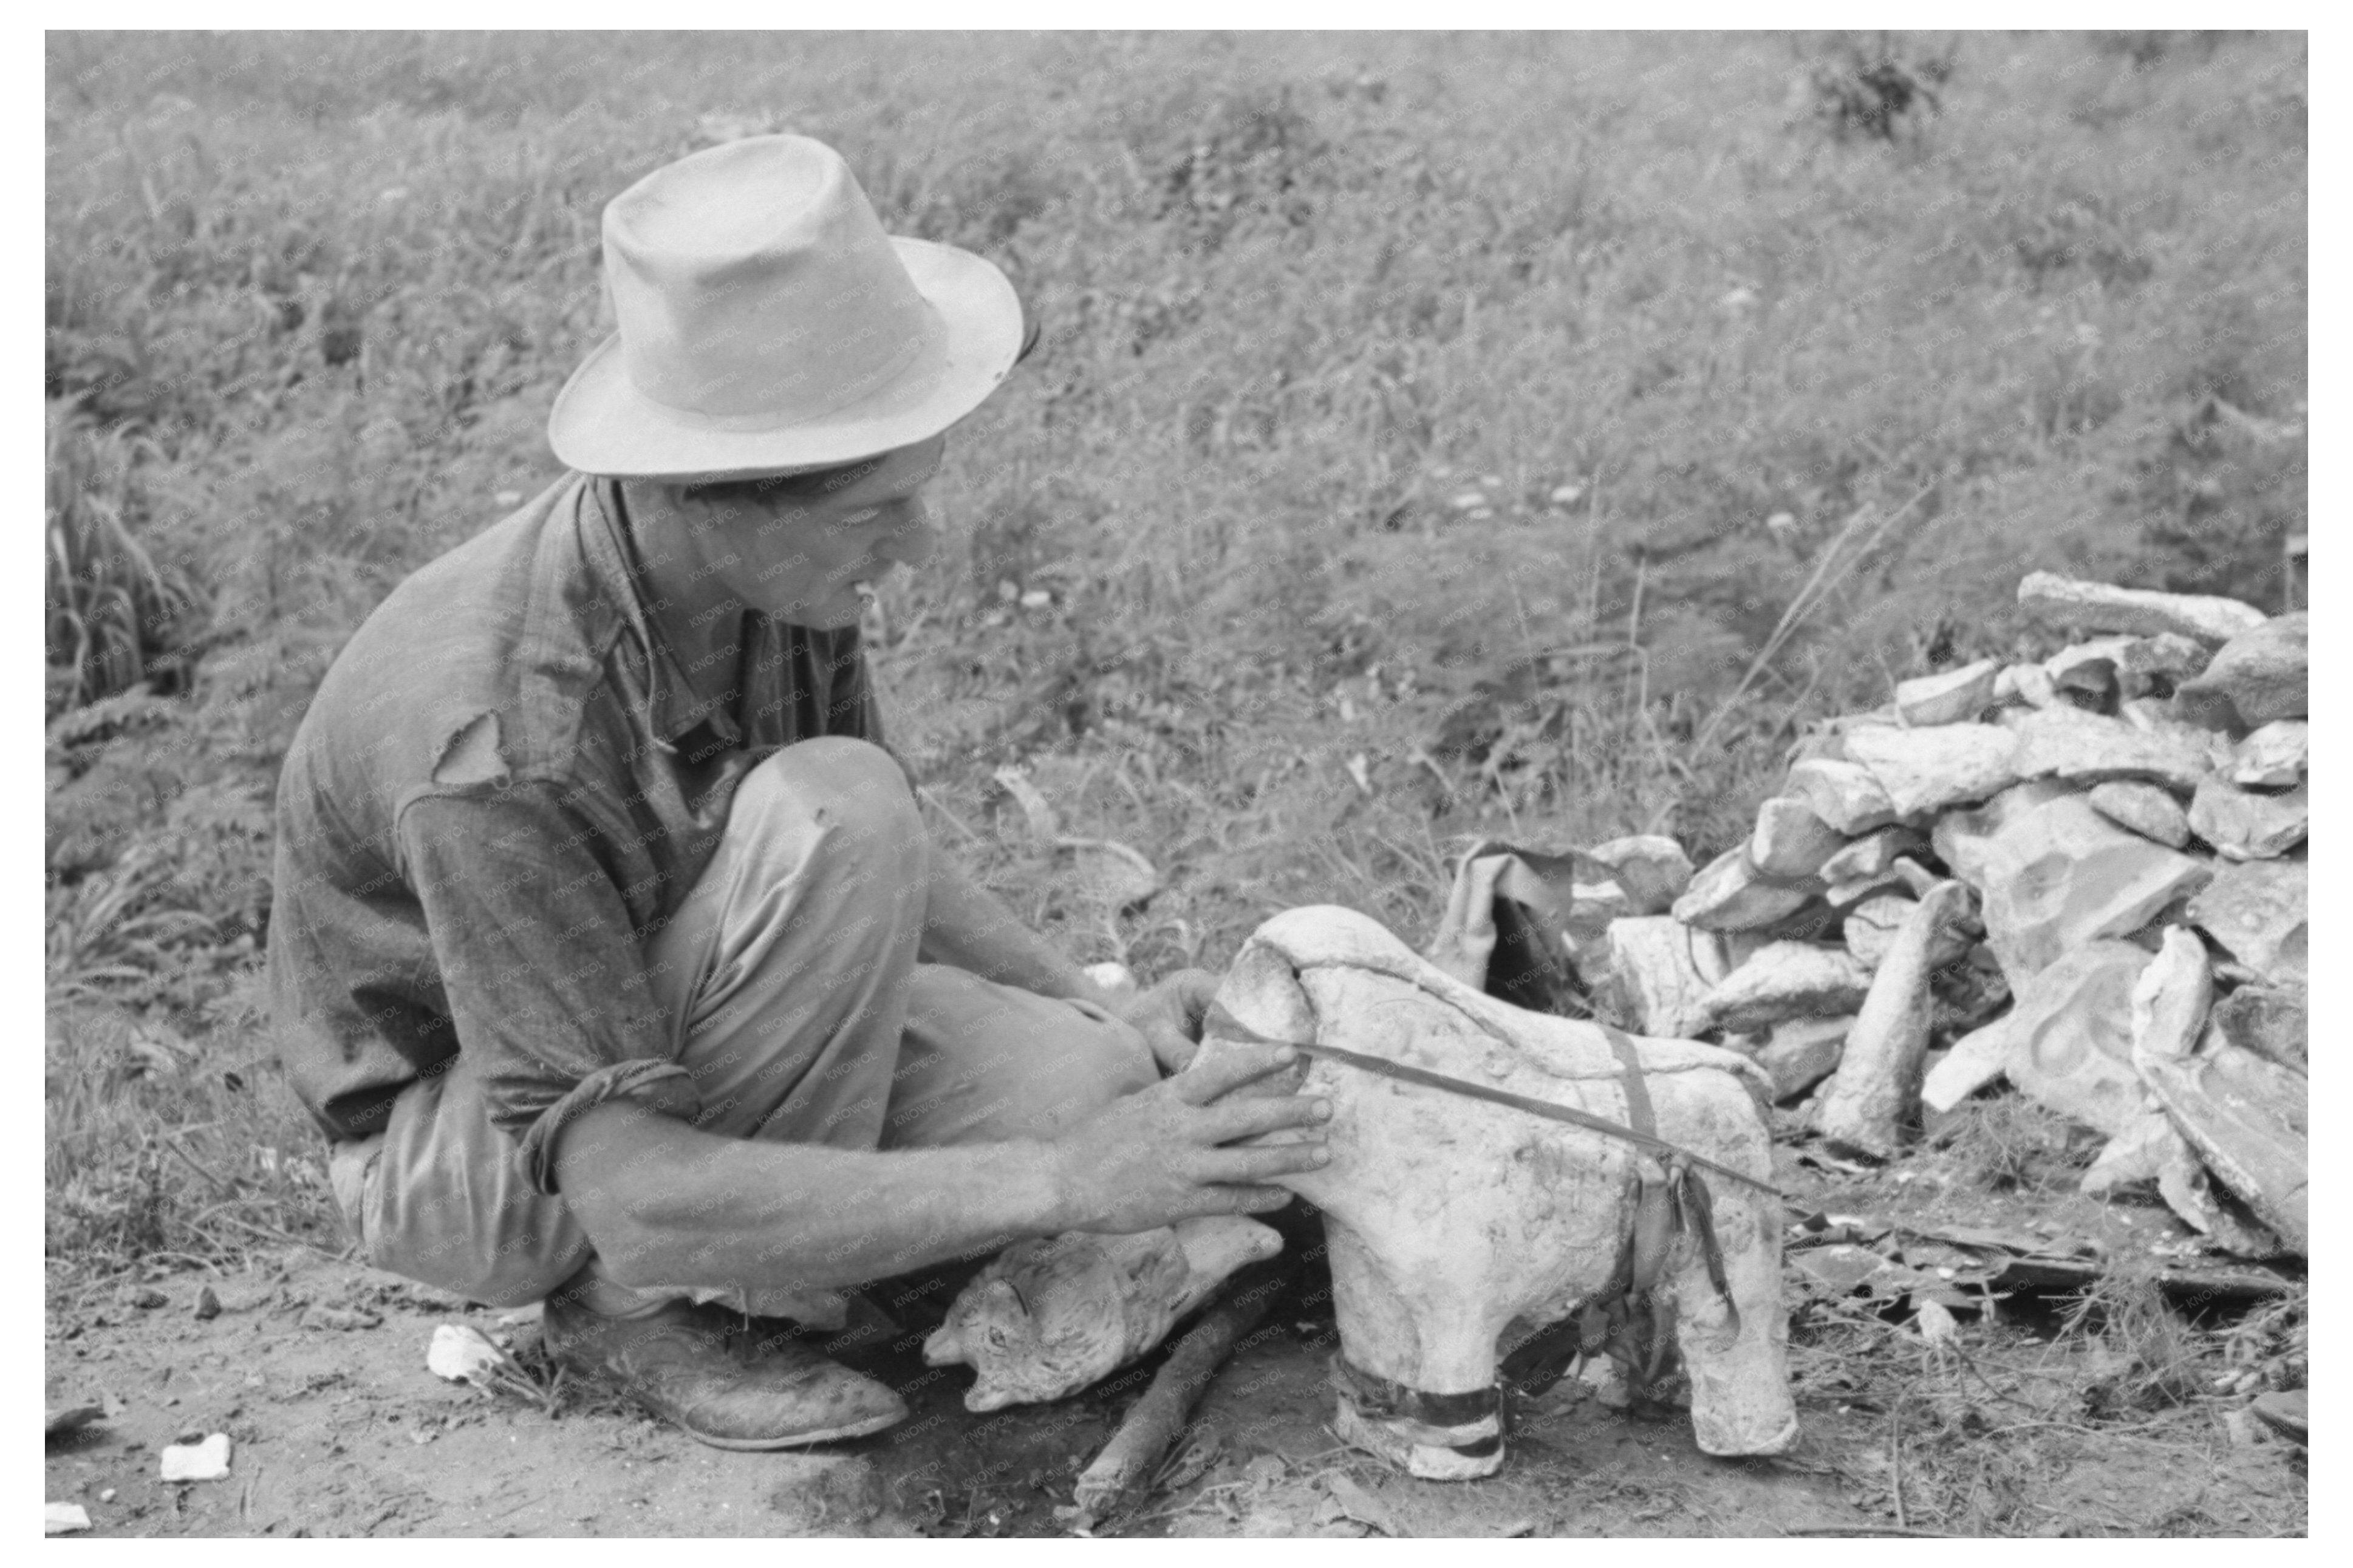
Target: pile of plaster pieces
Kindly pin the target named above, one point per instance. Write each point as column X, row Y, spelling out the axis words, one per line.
column 2087, row 875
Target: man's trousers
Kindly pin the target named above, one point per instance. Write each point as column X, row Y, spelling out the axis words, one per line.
column 798, row 1006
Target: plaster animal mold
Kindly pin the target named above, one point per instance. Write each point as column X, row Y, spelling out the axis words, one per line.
column 1049, row 1316
column 1450, row 1220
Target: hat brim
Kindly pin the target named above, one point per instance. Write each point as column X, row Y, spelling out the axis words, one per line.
column 603, row 424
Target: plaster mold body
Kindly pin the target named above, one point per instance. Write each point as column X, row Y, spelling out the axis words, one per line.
column 1450, row 1220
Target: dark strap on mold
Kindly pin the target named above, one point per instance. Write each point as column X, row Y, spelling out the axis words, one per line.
column 1226, row 1025
column 1385, row 1399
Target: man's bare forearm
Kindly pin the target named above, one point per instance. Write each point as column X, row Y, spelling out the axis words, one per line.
column 665, row 1203
column 968, row 927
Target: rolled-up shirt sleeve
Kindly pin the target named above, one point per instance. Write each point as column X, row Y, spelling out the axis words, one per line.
column 544, row 975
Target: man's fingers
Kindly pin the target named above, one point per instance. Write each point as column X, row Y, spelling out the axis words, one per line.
column 1262, row 1163
column 1240, row 1199
column 1200, row 1084
column 1231, row 1119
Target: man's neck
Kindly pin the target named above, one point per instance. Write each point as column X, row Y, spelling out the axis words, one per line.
column 697, row 619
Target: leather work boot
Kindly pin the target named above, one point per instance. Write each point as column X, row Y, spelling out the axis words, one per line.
column 698, row 1368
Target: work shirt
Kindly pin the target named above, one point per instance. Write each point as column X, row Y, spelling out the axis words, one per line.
column 503, row 787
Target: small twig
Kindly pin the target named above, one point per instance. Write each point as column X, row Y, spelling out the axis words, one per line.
column 1896, row 1463
column 1136, row 1450
column 1868, row 1529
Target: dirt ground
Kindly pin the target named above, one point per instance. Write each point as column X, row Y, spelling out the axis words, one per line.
column 315, row 1368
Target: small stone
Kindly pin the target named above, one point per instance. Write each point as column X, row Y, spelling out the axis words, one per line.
column 2149, row 811
column 208, row 1306
column 2088, row 669
column 146, row 1298
column 1871, row 926
column 1949, row 698
column 2275, row 756
column 1801, row 1052
column 1790, row 840
column 2257, row 911
column 2272, row 1021
column 64, row 1519
column 1468, row 500
column 1728, row 895
column 1566, row 495
column 2066, row 602
column 1788, row 980
column 1868, row 863
column 2244, row 826
column 204, row 1461
column 106, row 1494
column 2024, row 683
column 2261, row 672
column 1844, row 794
column 2083, row 748
column 1928, row 771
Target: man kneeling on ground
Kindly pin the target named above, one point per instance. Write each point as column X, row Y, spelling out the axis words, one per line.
column 608, row 947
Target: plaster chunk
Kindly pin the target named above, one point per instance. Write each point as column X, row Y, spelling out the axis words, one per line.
column 1790, row 840
column 1871, row 927
column 2247, row 1118
column 2056, row 875
column 1788, row 980
column 1878, row 1080
column 2024, row 683
column 2272, row 1021
column 2149, row 811
column 1801, row 1052
column 2244, row 826
column 2066, row 1041
column 1729, row 895
column 2068, row 601
column 2083, row 748
column 2274, row 757
column 1950, row 696
column 2256, row 909
column 1926, row 771
column 1053, row 1315
column 1659, row 972
column 2261, row 672
column 2167, row 658
column 2170, row 999
column 2088, row 668
column 1846, row 795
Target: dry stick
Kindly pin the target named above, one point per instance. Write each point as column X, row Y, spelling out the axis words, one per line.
column 1156, row 1420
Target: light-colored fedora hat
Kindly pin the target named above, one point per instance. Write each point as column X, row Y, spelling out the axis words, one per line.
column 767, row 325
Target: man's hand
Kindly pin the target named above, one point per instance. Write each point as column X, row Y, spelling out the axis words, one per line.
column 1156, row 1157
column 1169, row 1016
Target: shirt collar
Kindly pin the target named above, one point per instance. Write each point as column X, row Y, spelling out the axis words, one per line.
column 673, row 706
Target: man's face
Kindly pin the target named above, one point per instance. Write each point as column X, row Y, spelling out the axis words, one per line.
column 799, row 548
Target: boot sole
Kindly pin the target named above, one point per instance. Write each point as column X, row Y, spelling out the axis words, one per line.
column 865, row 1428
